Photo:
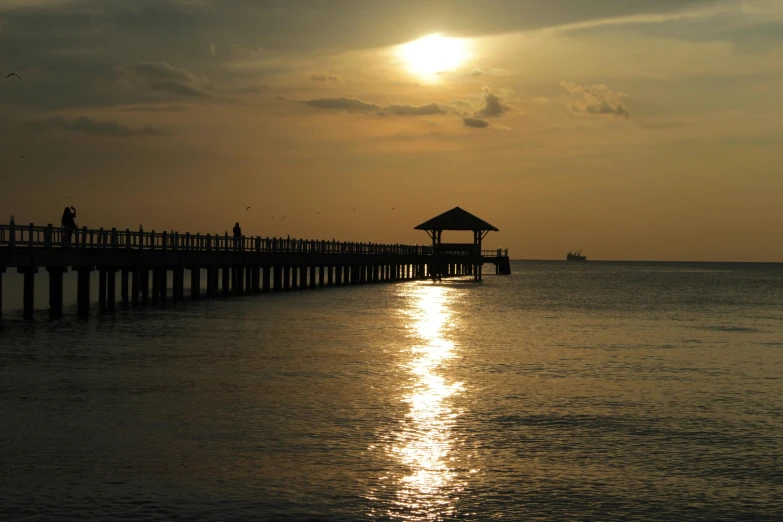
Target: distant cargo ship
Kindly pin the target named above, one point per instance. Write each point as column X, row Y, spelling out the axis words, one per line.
column 576, row 256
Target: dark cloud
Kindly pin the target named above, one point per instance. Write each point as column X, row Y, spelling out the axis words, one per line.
column 156, row 108
column 596, row 100
column 177, row 88
column 92, row 127
column 354, row 104
column 325, row 78
column 413, row 110
column 155, row 15
column 347, row 104
column 475, row 123
column 493, row 108
column 73, row 45
column 343, row 23
column 163, row 77
column 167, row 25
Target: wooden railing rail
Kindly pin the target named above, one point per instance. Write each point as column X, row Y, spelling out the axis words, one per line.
column 31, row 236
column 499, row 252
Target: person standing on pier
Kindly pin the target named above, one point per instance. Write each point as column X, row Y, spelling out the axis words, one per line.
column 68, row 222
column 237, row 235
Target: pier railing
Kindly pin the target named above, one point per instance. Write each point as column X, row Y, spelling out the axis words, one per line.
column 500, row 252
column 50, row 236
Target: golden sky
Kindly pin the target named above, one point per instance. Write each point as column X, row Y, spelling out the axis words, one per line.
column 632, row 130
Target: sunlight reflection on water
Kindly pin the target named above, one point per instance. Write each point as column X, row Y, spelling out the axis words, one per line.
column 424, row 443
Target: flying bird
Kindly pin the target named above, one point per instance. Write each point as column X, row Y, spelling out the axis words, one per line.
column 282, row 218
column 393, row 208
column 354, row 210
column 248, row 208
column 13, row 74
column 317, row 213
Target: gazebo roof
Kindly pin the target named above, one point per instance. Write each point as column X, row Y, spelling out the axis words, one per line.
column 456, row 219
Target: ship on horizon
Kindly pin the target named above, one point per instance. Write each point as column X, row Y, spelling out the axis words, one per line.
column 576, row 256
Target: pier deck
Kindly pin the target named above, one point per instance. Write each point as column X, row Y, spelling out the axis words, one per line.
column 233, row 266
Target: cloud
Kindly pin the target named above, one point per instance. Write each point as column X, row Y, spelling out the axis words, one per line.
column 596, row 100
column 347, row 104
column 325, row 78
column 495, row 71
column 92, row 127
column 475, row 123
column 413, row 110
column 156, row 108
column 163, row 77
column 354, row 104
column 493, row 108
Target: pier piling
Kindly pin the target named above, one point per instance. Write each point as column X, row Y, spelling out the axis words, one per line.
column 29, row 290
column 195, row 283
column 111, row 285
column 55, row 291
column 124, row 279
column 83, row 292
column 2, row 271
column 102, row 289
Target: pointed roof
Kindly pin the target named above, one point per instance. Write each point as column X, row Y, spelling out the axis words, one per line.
column 456, row 219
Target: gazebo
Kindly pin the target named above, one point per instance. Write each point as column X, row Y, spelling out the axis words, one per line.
column 448, row 256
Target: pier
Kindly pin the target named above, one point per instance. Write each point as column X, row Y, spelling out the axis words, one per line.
column 153, row 265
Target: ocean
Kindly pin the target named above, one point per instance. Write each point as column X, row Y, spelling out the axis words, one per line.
column 567, row 391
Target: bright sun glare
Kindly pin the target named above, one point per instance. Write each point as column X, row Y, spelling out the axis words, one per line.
column 433, row 54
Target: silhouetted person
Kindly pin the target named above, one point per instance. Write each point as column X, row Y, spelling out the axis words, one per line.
column 68, row 222
column 237, row 235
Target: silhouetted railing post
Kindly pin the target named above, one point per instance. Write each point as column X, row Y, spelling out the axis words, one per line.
column 12, row 235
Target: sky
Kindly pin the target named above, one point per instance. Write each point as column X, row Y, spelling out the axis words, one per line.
column 631, row 130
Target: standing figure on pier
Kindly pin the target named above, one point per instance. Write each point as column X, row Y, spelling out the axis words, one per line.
column 68, row 222
column 237, row 235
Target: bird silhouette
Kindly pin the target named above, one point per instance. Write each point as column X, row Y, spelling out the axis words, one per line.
column 248, row 208
column 393, row 208
column 282, row 218
column 317, row 213
column 13, row 74
column 354, row 210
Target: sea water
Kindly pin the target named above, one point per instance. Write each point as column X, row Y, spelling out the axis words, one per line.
column 566, row 391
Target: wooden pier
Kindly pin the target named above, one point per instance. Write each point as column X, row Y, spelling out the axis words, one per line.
column 152, row 263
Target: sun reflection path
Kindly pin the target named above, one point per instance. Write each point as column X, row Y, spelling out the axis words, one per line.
column 425, row 441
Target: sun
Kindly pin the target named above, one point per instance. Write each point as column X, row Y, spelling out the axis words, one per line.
column 433, row 54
